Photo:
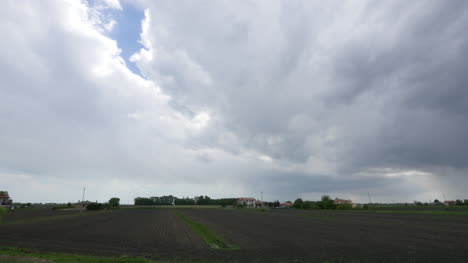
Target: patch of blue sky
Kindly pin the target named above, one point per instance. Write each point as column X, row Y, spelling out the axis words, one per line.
column 127, row 31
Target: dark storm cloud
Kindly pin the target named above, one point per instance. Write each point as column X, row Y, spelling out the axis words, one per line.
column 387, row 79
column 292, row 98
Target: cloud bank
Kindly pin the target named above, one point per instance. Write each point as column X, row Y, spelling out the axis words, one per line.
column 294, row 99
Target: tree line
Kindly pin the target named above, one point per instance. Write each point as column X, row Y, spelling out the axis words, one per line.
column 197, row 200
column 325, row 203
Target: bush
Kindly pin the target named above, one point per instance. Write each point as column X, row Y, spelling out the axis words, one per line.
column 365, row 207
column 309, row 205
column 95, row 206
column 344, row 206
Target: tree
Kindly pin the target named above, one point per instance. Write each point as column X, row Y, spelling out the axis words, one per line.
column 298, row 203
column 326, row 203
column 114, row 202
column 459, row 202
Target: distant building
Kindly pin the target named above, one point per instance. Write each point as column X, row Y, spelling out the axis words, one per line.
column 83, row 204
column 339, row 201
column 5, row 200
column 286, row 205
column 449, row 202
column 246, row 201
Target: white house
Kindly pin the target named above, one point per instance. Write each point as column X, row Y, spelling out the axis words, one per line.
column 246, row 201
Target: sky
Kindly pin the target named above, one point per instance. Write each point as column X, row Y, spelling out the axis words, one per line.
column 234, row 98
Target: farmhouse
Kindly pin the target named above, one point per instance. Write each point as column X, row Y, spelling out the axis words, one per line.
column 450, row 202
column 339, row 201
column 246, row 201
column 5, row 200
column 83, row 204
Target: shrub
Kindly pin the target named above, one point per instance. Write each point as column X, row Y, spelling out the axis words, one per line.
column 365, row 207
column 95, row 206
column 344, row 206
column 309, row 205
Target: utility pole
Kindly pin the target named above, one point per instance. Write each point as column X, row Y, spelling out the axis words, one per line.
column 261, row 197
column 82, row 198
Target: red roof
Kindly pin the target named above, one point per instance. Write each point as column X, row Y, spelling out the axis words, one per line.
column 342, row 200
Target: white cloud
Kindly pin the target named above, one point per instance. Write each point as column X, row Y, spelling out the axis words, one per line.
column 234, row 95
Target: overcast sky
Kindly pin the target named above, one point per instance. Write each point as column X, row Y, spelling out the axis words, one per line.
column 233, row 98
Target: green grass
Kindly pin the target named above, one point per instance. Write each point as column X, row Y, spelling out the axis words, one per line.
column 210, row 237
column 13, row 255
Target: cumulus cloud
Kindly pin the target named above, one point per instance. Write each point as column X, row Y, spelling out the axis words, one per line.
column 289, row 98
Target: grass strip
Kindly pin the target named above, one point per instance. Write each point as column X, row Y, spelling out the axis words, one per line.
column 13, row 255
column 210, row 237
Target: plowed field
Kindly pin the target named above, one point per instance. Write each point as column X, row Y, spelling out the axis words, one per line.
column 271, row 236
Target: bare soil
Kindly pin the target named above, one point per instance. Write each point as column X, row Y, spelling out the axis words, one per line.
column 272, row 236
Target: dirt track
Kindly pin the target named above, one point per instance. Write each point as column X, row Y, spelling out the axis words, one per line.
column 282, row 236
